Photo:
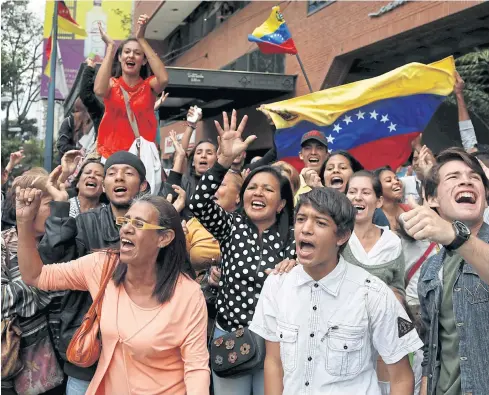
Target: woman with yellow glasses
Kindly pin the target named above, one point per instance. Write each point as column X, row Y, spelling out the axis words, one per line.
column 153, row 321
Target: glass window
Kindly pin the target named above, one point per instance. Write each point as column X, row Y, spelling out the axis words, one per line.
column 313, row 6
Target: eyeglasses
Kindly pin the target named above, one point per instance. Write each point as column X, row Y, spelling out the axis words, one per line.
column 137, row 223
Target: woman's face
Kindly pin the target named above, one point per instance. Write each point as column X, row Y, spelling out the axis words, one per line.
column 132, row 58
column 362, row 197
column 90, row 183
column 42, row 215
column 139, row 246
column 261, row 199
column 337, row 172
column 227, row 196
column 204, row 158
column 392, row 189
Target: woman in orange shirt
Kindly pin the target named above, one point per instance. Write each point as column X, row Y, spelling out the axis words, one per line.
column 153, row 320
column 129, row 67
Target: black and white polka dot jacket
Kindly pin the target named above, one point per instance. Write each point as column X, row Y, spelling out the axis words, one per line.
column 244, row 257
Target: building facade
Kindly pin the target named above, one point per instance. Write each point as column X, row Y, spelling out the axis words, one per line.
column 339, row 42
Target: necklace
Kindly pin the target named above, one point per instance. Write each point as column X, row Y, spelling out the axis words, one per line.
column 121, row 340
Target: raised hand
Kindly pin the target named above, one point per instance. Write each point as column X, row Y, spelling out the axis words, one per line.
column 160, row 100
column 15, row 159
column 459, row 84
column 311, row 178
column 70, row 161
column 27, row 203
column 105, row 37
column 55, row 189
column 179, row 204
column 142, row 22
column 423, row 223
column 231, row 144
column 90, row 62
column 426, row 160
column 176, row 144
column 191, row 113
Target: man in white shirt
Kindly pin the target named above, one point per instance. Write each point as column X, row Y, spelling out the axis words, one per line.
column 325, row 321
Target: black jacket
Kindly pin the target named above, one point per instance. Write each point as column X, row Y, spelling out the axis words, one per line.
column 94, row 106
column 67, row 239
column 66, row 136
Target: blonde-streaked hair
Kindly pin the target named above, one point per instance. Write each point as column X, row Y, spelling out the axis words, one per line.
column 290, row 172
column 32, row 179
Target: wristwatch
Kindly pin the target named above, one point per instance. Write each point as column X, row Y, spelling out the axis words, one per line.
column 462, row 234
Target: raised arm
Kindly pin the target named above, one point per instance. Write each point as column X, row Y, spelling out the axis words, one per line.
column 102, row 80
column 467, row 132
column 159, row 83
column 94, row 107
column 191, row 126
column 214, row 218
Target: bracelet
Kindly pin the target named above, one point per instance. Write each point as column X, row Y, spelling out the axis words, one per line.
column 191, row 125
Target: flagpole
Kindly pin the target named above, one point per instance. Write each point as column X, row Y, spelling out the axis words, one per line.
column 48, row 148
column 304, row 71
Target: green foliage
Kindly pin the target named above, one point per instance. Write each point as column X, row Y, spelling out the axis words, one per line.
column 33, row 151
column 474, row 70
column 126, row 21
column 21, row 50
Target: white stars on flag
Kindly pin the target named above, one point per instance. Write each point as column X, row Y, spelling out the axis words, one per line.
column 337, row 128
column 385, row 118
column 392, row 127
column 373, row 115
column 360, row 115
column 347, row 119
column 330, row 139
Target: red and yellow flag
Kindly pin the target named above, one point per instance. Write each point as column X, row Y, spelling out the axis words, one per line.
column 48, row 51
column 66, row 22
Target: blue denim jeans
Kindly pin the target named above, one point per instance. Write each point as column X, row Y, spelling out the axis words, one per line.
column 243, row 385
column 76, row 386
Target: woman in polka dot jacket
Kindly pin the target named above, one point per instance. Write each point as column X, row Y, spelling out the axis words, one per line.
column 256, row 237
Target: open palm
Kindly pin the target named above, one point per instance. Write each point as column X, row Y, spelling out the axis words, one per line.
column 231, row 145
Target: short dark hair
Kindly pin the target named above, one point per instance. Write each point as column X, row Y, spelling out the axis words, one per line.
column 170, row 262
column 354, row 163
column 82, row 168
column 376, row 185
column 190, row 162
column 432, row 180
column 333, row 203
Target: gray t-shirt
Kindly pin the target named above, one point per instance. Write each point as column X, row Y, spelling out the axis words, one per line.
column 449, row 381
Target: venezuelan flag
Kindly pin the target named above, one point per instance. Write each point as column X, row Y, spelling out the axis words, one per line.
column 273, row 36
column 374, row 119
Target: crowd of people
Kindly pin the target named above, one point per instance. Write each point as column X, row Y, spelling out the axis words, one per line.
column 229, row 277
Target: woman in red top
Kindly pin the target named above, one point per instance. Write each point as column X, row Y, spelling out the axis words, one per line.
column 132, row 73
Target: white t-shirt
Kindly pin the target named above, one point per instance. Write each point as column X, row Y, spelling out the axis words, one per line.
column 386, row 249
column 331, row 330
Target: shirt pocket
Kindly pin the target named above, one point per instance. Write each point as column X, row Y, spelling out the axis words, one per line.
column 476, row 291
column 344, row 351
column 288, row 337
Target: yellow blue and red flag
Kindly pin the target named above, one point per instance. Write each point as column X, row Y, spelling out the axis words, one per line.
column 374, row 119
column 273, row 36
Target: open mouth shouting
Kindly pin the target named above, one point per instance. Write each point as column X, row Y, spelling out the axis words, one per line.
column 90, row 184
column 359, row 208
column 258, row 205
column 313, row 160
column 120, row 191
column 337, row 182
column 305, row 249
column 126, row 245
column 466, row 197
column 130, row 64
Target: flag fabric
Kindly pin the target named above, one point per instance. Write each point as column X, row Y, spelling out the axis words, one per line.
column 61, row 84
column 374, row 119
column 273, row 36
column 66, row 22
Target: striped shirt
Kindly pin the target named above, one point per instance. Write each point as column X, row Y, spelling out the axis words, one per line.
column 33, row 306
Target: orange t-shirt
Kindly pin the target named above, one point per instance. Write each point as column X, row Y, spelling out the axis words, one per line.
column 115, row 132
column 157, row 351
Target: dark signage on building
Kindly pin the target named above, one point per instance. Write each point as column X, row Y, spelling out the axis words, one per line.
column 387, row 8
column 195, row 77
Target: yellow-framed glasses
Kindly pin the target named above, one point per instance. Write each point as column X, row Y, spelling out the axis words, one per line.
column 137, row 223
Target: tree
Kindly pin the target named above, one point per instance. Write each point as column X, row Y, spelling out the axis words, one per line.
column 22, row 45
column 33, row 151
column 126, row 20
column 474, row 70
